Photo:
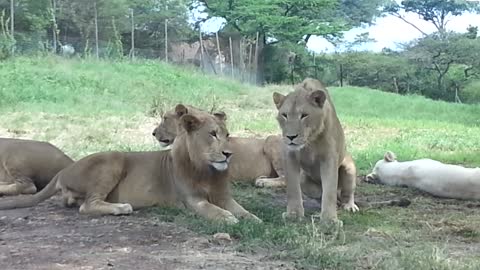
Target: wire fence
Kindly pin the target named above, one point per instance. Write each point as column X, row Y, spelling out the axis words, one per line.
column 221, row 54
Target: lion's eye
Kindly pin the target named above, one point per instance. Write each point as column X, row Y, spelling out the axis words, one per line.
column 284, row 115
column 303, row 115
column 228, row 135
column 213, row 133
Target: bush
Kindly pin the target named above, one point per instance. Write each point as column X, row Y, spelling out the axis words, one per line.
column 471, row 92
column 6, row 45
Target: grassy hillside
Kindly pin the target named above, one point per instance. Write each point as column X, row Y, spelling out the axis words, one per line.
column 86, row 106
column 40, row 96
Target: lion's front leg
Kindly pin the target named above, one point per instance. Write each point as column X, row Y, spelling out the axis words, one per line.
column 210, row 211
column 347, row 182
column 20, row 185
column 295, row 208
column 329, row 175
column 240, row 212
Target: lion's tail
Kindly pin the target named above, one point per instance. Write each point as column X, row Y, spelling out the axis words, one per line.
column 28, row 201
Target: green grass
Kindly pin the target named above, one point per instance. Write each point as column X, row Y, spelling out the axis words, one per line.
column 86, row 106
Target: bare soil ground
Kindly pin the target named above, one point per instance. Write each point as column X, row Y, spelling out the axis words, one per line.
column 52, row 237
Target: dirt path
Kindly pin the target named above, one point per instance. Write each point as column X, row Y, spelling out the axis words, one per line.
column 52, row 237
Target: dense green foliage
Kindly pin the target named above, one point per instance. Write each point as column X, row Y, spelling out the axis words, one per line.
column 435, row 68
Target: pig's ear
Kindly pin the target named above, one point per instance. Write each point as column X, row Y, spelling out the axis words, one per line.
column 390, row 156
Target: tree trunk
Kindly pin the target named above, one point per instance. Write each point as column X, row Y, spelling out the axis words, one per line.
column 395, row 84
column 440, row 83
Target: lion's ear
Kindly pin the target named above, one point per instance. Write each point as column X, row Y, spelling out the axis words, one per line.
column 389, row 156
column 318, row 98
column 220, row 115
column 190, row 123
column 278, row 99
column 180, row 110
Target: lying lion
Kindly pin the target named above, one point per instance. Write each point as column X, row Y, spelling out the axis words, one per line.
column 431, row 176
column 27, row 166
column 193, row 173
column 316, row 160
column 257, row 160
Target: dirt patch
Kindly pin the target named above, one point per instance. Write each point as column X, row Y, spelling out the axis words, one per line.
column 52, row 237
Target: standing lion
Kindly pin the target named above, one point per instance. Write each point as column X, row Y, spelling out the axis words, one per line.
column 316, row 160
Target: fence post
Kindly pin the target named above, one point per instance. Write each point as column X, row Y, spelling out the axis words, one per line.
column 219, row 53
column 241, row 61
column 166, row 40
column 201, row 47
column 166, row 35
column 12, row 23
column 54, row 27
column 256, row 58
column 341, row 75
column 96, row 28
column 250, row 46
column 132, row 50
column 231, row 55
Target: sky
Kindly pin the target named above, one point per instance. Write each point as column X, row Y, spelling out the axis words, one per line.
column 387, row 31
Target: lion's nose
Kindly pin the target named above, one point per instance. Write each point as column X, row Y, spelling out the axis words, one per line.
column 154, row 132
column 291, row 137
column 227, row 153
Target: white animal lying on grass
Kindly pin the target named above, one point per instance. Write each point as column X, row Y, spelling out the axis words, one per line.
column 431, row 176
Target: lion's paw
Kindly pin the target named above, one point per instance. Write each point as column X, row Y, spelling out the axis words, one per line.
column 228, row 218
column 293, row 216
column 253, row 218
column 262, row 181
column 123, row 209
column 328, row 224
column 352, row 207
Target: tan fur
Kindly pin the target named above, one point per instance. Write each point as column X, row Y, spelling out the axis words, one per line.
column 27, row 166
column 316, row 161
column 255, row 160
column 193, row 174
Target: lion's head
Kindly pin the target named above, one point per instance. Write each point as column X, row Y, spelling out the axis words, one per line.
column 204, row 137
column 302, row 113
column 166, row 131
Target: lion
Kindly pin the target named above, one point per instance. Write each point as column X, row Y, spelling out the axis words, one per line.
column 192, row 174
column 256, row 160
column 27, row 166
column 316, row 160
column 431, row 176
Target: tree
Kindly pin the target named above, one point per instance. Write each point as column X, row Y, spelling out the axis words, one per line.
column 32, row 17
column 437, row 12
column 439, row 53
column 291, row 21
